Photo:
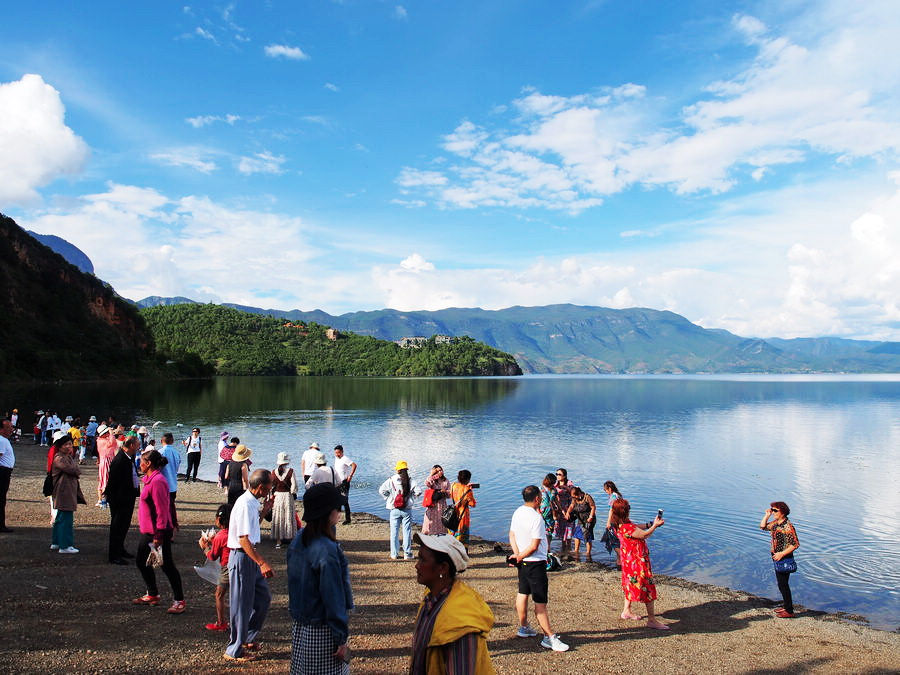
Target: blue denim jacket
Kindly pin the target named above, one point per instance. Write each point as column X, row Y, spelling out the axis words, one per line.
column 319, row 585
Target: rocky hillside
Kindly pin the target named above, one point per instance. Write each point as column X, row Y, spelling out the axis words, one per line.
column 57, row 322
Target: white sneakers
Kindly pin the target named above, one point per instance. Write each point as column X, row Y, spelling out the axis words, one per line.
column 526, row 632
column 54, row 547
column 70, row 549
column 553, row 642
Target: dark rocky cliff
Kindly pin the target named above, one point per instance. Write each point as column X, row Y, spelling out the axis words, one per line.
column 57, row 322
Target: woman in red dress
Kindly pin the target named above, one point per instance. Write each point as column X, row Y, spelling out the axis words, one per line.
column 637, row 576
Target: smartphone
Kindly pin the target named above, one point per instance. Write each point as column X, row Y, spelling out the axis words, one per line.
column 659, row 513
column 474, row 486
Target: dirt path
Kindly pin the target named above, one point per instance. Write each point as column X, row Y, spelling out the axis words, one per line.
column 74, row 613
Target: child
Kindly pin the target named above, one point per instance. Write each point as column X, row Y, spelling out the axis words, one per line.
column 217, row 547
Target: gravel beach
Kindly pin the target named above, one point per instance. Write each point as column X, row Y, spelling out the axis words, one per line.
column 73, row 613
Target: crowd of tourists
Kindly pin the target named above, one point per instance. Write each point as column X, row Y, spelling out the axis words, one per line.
column 453, row 620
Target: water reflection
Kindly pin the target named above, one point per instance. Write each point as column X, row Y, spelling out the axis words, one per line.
column 713, row 452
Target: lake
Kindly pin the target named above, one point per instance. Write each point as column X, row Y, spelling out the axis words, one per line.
column 712, row 451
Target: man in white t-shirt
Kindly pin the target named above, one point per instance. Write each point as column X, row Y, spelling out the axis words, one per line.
column 308, row 461
column 528, row 538
column 247, row 569
column 322, row 473
column 7, row 464
column 345, row 468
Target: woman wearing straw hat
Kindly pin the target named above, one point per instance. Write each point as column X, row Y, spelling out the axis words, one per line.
column 237, row 475
column 284, row 485
column 396, row 490
column 453, row 620
column 319, row 588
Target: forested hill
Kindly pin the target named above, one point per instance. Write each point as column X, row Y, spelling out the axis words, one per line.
column 579, row 339
column 240, row 343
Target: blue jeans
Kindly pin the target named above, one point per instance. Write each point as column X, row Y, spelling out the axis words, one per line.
column 401, row 517
column 250, row 598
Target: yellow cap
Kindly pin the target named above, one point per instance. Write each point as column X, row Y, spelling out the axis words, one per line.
column 401, row 465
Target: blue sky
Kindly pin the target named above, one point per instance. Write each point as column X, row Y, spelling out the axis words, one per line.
column 733, row 162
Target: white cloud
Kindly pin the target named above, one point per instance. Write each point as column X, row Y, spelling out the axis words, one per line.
column 800, row 261
column 331, row 87
column 286, row 52
column 37, row 146
column 413, row 178
column 262, row 162
column 416, row 263
column 829, row 97
column 190, row 157
column 400, row 12
column 205, row 120
column 205, row 34
column 188, row 246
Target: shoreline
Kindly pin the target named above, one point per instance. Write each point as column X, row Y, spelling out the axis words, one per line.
column 733, row 630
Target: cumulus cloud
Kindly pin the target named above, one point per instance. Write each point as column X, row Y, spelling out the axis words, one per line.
column 416, row 263
column 331, row 87
column 831, row 96
column 286, row 52
column 799, row 261
column 188, row 245
column 262, row 162
column 37, row 145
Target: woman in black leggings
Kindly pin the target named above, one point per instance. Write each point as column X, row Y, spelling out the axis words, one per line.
column 784, row 543
column 155, row 522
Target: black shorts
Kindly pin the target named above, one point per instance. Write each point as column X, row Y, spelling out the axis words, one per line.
column 533, row 580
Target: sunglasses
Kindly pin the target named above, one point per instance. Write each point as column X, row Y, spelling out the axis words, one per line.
column 775, row 511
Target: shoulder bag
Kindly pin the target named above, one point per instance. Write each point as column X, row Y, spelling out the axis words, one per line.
column 450, row 514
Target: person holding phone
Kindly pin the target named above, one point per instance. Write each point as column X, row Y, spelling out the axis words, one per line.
column 319, row 588
column 784, row 543
column 637, row 575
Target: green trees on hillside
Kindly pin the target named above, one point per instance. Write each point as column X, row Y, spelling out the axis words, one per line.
column 239, row 343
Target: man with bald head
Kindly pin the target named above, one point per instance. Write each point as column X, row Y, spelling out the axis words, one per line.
column 247, row 569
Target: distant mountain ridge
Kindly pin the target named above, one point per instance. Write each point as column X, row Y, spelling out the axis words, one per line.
column 67, row 250
column 582, row 339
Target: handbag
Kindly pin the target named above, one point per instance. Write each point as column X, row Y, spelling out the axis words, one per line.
column 48, row 485
column 450, row 514
column 428, row 499
column 785, row 565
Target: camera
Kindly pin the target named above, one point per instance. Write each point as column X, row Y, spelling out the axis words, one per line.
column 474, row 486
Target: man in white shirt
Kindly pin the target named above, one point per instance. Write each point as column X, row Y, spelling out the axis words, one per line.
column 247, row 569
column 345, row 468
column 308, row 461
column 7, row 464
column 322, row 473
column 528, row 538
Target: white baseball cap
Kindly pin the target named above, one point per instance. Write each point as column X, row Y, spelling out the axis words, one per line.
column 446, row 544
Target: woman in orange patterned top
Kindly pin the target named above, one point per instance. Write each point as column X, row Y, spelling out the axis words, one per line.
column 784, row 543
column 637, row 576
column 461, row 495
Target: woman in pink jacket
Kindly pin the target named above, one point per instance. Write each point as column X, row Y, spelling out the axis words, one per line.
column 155, row 524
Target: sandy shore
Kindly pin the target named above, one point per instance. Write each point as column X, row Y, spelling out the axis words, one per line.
column 74, row 613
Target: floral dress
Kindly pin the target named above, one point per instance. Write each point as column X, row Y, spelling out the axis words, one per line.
column 564, row 528
column 637, row 577
column 431, row 523
column 457, row 490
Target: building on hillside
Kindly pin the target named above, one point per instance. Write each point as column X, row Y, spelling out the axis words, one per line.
column 412, row 342
column 444, row 339
column 331, row 334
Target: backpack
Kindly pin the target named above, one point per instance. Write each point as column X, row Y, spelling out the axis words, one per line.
column 399, row 500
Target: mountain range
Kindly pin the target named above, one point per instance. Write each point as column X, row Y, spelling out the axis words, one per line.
column 579, row 339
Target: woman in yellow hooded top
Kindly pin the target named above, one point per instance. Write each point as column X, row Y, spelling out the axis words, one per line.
column 450, row 637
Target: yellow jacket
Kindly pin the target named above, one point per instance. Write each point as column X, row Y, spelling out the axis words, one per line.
column 463, row 612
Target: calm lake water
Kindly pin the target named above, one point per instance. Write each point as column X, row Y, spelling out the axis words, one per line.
column 712, row 451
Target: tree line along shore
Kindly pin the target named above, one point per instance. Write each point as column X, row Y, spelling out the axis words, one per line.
column 74, row 613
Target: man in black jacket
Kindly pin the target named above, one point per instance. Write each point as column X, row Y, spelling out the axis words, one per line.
column 121, row 491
